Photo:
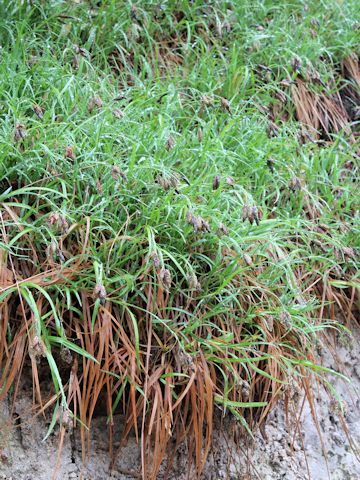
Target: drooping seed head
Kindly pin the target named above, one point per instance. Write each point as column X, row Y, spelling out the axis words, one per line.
column 170, row 143
column 118, row 113
column 193, row 282
column 230, row 181
column 225, row 105
column 216, row 182
column 155, row 259
column 272, row 130
column 38, row 111
column 280, row 95
column 206, row 100
column 95, row 102
column 285, row 319
column 99, row 187
column 165, row 278
column 248, row 260
column 66, row 355
column 70, row 152
column 81, row 51
column 100, row 293
column 37, row 348
column 296, row 64
column 294, row 184
column 270, row 162
column 115, row 172
column 222, row 229
column 20, row 132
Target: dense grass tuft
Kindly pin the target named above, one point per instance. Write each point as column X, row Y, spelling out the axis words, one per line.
column 179, row 207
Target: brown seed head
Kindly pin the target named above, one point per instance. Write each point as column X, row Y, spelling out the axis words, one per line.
column 225, row 105
column 285, row 319
column 294, row 184
column 315, row 22
column 165, row 278
column 20, row 132
column 248, row 260
column 163, row 181
column 206, row 100
column 81, row 51
column 222, row 229
column 349, row 253
column 287, row 82
column 272, row 130
column 193, row 282
column 99, row 188
column 168, row 181
column 66, row 356
column 63, row 224
column 75, row 62
column 185, row 362
column 205, row 226
column 155, row 259
column 270, row 162
column 53, row 218
column 38, row 111
column 36, row 347
column 134, row 12
column 296, row 64
column 115, row 172
column 230, row 181
column 280, row 95
column 70, row 153
column 216, row 182
column 244, row 388
column 170, row 143
column 251, row 213
column 95, row 102
column 100, row 293
column 66, row 419
column 118, row 113
column 199, row 223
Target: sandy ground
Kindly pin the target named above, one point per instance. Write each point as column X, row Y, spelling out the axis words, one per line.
column 296, row 446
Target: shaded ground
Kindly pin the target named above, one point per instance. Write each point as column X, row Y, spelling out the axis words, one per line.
column 277, row 453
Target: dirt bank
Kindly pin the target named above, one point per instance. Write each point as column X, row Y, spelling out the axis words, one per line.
column 293, row 446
